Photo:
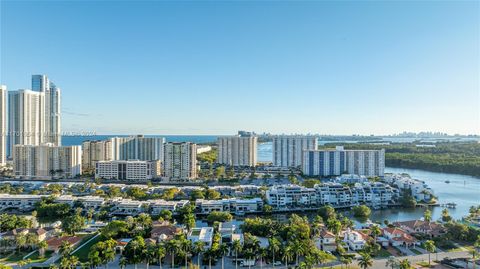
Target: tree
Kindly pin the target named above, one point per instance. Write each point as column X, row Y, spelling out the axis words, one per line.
column 104, row 251
column 115, row 229
column 211, row 194
column 327, row 212
column 66, row 248
column 42, row 246
column 149, row 254
column 427, row 215
column 220, row 216
column 223, row 250
column 189, row 221
column 123, row 262
column 274, row 247
column 173, row 247
column 347, row 260
column 134, row 250
column 362, row 211
column 430, row 247
column 287, row 255
column 392, row 262
column 73, row 223
column 161, row 252
column 237, row 247
column 375, row 231
column 405, row 264
column 365, row 261
column 166, row 214
column 198, row 248
column 446, row 215
column 209, row 255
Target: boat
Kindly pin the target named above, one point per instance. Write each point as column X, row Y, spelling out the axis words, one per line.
column 447, row 181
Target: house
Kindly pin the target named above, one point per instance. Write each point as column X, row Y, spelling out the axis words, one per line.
column 55, row 243
column 39, row 232
column 355, row 240
column 398, row 237
column 432, row 229
column 164, row 231
column 121, row 244
column 226, row 230
column 326, row 241
column 204, row 234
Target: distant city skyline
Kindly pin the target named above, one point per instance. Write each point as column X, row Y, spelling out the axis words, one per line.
column 200, row 68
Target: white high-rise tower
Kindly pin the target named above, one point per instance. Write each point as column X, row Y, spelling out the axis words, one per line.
column 3, row 124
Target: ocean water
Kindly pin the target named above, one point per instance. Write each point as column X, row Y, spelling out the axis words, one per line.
column 78, row 140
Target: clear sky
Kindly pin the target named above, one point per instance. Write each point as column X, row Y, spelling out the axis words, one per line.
column 373, row 67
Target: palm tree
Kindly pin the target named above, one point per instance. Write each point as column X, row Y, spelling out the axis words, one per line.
column 346, row 260
column 298, row 248
column 287, row 255
column 274, row 247
column 66, row 248
column 21, row 241
column 223, row 249
column 405, row 264
column 73, row 260
column 209, row 254
column 237, row 247
column 173, row 247
column 430, row 247
column 160, row 253
column 375, row 231
column 198, row 248
column 42, row 245
column 122, row 262
column 474, row 254
column 186, row 246
column 392, row 262
column 365, row 261
column 65, row 263
column 22, row 263
column 149, row 254
column 135, row 246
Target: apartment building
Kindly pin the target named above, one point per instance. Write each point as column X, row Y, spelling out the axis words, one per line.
column 288, row 149
column 334, row 162
column 3, row 125
column 133, row 170
column 95, row 151
column 47, row 161
column 234, row 206
column 238, row 150
column 180, row 161
column 137, row 147
column 330, row 193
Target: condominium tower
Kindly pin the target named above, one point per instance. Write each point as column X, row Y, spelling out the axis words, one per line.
column 47, row 161
column 52, row 108
column 25, row 118
column 137, row 148
column 94, row 151
column 238, row 150
column 288, row 149
column 330, row 162
column 3, row 124
column 180, row 161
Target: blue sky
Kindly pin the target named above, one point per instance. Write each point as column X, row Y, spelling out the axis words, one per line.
column 373, row 67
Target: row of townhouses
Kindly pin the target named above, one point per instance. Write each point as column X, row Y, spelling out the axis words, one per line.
column 335, row 194
column 120, row 206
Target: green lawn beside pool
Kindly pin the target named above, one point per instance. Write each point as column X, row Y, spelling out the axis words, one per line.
column 383, row 253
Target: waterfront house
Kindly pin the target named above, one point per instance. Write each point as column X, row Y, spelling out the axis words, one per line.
column 55, row 243
column 326, row 241
column 398, row 237
column 422, row 227
column 355, row 240
column 164, row 231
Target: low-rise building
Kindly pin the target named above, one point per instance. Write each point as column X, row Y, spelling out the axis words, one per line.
column 131, row 170
column 326, row 241
column 398, row 237
column 204, row 234
column 355, row 240
column 428, row 228
column 232, row 205
column 158, row 205
column 19, row 201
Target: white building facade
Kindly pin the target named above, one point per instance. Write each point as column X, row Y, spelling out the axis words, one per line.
column 133, row 170
column 137, row 148
column 288, row 149
column 95, row 151
column 334, row 162
column 238, row 150
column 47, row 161
column 3, row 125
column 180, row 161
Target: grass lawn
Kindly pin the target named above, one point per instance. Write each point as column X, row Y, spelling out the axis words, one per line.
column 15, row 257
column 82, row 253
column 383, row 253
column 35, row 257
column 415, row 251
